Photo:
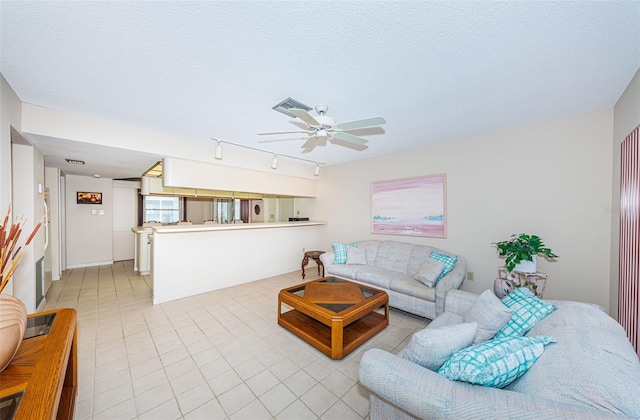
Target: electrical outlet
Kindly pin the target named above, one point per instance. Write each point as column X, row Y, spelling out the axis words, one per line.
column 470, row 276
column 304, row 250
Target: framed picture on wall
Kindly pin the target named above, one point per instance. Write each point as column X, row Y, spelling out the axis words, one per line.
column 89, row 197
column 411, row 206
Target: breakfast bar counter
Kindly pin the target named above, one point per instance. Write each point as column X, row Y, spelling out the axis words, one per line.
column 187, row 260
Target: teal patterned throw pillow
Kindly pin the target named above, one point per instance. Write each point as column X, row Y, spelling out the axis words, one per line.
column 496, row 362
column 527, row 309
column 449, row 262
column 340, row 252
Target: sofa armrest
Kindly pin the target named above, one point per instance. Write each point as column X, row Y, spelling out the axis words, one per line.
column 453, row 280
column 327, row 258
column 426, row 394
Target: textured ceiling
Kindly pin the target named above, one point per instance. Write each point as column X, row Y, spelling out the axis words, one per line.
column 435, row 70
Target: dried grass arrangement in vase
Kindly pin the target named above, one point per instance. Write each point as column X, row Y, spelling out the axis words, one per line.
column 13, row 313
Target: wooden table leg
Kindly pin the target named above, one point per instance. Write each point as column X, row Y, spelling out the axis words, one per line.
column 305, row 261
column 337, row 339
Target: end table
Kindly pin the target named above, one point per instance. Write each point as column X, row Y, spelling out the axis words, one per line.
column 315, row 255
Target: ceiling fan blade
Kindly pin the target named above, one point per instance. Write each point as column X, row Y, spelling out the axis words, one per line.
column 282, row 132
column 350, row 138
column 311, row 143
column 304, row 116
column 367, row 122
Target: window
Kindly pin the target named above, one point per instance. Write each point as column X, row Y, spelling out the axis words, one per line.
column 162, row 209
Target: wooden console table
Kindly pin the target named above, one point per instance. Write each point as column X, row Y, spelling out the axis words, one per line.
column 42, row 380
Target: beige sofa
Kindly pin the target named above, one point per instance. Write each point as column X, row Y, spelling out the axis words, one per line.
column 392, row 267
column 591, row 372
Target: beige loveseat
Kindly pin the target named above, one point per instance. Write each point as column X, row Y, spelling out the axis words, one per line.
column 392, row 266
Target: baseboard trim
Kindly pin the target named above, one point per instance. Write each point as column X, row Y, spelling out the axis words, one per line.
column 92, row 264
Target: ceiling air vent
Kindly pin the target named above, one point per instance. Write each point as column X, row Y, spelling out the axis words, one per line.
column 289, row 103
column 75, row 161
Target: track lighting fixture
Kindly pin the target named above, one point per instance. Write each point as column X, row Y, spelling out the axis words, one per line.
column 274, row 161
column 219, row 150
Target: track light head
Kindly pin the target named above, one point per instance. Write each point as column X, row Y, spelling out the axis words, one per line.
column 218, row 154
column 316, row 171
column 274, row 162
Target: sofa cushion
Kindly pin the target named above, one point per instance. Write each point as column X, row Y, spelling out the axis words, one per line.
column 446, row 318
column 371, row 248
column 592, row 364
column 356, row 256
column 393, row 256
column 431, row 347
column 490, row 314
column 345, row 270
column 449, row 261
column 407, row 285
column 340, row 252
column 496, row 362
column 429, row 272
column 377, row 277
column 528, row 310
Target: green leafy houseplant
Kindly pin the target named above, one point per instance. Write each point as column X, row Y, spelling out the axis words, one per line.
column 522, row 247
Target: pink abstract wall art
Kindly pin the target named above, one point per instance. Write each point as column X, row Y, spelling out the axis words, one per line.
column 411, row 206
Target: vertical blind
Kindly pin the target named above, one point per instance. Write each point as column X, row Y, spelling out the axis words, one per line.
column 629, row 277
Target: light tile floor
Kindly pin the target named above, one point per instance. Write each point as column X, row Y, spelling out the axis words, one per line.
column 218, row 355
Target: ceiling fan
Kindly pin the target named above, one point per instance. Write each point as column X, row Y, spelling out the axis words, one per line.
column 322, row 127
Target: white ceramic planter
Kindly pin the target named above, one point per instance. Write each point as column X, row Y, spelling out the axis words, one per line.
column 526, row 266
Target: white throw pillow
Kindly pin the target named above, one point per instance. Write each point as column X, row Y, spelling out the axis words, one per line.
column 429, row 272
column 490, row 314
column 356, row 256
column 432, row 347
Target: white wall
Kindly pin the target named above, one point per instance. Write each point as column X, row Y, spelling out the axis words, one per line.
column 10, row 115
column 28, row 171
column 551, row 179
column 302, row 206
column 191, row 174
column 626, row 119
column 89, row 238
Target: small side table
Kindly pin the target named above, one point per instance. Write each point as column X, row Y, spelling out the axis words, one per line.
column 315, row 255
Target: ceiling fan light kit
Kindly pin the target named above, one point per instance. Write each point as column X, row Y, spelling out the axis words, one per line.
column 322, row 127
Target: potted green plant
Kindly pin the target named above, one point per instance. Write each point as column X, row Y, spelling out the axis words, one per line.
column 521, row 248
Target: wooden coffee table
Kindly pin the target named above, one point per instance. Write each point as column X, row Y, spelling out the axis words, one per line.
column 333, row 315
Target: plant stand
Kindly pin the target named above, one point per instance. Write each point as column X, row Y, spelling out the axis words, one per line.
column 509, row 281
